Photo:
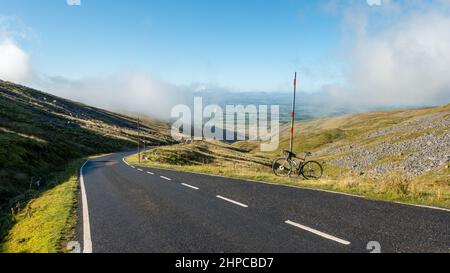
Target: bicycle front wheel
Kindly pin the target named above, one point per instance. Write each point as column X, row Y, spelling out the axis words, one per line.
column 282, row 167
column 312, row 170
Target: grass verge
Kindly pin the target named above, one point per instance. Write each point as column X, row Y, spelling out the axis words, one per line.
column 47, row 222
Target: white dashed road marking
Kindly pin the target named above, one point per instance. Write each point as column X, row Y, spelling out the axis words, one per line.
column 150, row 173
column 189, row 186
column 140, row 170
column 166, row 178
column 232, row 201
column 321, row 234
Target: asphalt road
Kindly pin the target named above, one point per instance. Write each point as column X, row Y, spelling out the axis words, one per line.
column 160, row 211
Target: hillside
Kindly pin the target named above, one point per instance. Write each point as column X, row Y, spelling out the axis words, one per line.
column 395, row 155
column 41, row 133
column 411, row 142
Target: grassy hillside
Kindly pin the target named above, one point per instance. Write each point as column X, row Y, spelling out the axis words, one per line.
column 40, row 134
column 400, row 155
column 47, row 223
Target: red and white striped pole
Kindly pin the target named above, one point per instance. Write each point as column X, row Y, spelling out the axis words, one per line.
column 293, row 114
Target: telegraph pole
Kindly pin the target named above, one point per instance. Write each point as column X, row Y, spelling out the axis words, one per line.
column 139, row 139
column 293, row 114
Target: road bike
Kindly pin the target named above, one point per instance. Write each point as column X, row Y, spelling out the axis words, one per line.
column 291, row 164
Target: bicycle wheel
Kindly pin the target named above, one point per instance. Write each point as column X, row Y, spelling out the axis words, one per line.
column 312, row 170
column 282, row 167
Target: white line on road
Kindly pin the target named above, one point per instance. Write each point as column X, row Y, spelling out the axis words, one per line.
column 423, row 206
column 140, row 170
column 299, row 188
column 324, row 235
column 123, row 159
column 166, row 178
column 150, row 173
column 133, row 167
column 87, row 241
column 232, row 201
column 190, row 186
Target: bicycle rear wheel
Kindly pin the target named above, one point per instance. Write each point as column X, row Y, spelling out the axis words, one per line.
column 312, row 170
column 282, row 167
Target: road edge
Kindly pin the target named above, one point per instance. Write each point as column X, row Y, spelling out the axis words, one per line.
column 87, row 241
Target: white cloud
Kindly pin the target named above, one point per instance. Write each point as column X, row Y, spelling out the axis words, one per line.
column 74, row 2
column 127, row 92
column 374, row 2
column 14, row 62
column 395, row 55
column 406, row 64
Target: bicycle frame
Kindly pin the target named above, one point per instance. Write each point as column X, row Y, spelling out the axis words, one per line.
column 297, row 162
column 297, row 165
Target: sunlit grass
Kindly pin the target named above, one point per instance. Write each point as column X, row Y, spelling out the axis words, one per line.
column 48, row 222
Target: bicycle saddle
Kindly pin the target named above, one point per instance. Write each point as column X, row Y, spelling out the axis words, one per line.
column 289, row 153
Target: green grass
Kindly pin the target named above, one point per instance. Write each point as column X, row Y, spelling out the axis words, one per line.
column 47, row 222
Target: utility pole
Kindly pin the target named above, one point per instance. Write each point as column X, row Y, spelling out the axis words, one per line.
column 293, row 114
column 139, row 139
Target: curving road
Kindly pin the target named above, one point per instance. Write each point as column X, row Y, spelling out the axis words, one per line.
column 130, row 209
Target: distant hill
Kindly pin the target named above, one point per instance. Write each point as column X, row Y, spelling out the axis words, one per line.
column 309, row 106
column 40, row 133
column 412, row 142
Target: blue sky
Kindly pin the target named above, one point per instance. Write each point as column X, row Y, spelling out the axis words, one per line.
column 242, row 45
column 396, row 52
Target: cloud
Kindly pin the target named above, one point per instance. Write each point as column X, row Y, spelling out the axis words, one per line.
column 127, row 92
column 395, row 56
column 14, row 62
column 74, row 2
column 374, row 2
column 407, row 64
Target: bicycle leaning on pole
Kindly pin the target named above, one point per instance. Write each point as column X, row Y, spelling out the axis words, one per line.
column 286, row 166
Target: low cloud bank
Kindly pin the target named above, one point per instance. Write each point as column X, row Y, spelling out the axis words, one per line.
column 403, row 62
column 14, row 62
column 138, row 93
column 408, row 64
